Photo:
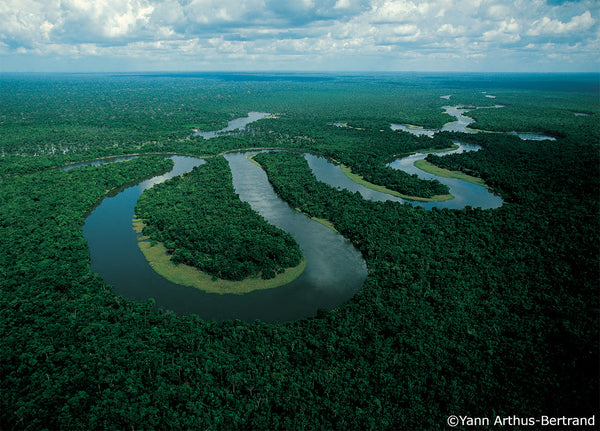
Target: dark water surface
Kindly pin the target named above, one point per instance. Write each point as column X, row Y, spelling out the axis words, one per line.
column 335, row 270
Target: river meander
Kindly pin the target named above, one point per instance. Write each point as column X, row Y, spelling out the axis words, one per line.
column 335, row 270
column 465, row 193
column 236, row 124
column 461, row 125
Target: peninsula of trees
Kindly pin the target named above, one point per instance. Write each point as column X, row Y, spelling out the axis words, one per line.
column 202, row 223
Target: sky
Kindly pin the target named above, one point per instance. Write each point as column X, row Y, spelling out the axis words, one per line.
column 299, row 35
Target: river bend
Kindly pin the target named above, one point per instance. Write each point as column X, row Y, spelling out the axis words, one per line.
column 335, row 270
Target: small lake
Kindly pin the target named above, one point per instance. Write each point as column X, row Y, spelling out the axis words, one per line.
column 237, row 124
column 335, row 270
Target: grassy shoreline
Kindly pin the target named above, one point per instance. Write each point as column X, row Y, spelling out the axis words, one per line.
column 156, row 255
column 323, row 221
column 360, row 180
column 424, row 165
column 424, row 151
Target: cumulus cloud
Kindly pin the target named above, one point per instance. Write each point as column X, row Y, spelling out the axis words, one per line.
column 498, row 11
column 506, row 31
column 553, row 26
column 396, row 11
column 277, row 33
column 451, row 30
column 35, row 22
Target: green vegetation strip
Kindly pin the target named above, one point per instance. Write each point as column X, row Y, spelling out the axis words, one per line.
column 424, row 165
column 360, row 180
column 439, row 150
column 203, row 223
column 186, row 275
column 323, row 221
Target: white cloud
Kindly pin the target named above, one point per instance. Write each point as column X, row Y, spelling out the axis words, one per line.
column 106, row 18
column 218, row 11
column 499, row 11
column 26, row 21
column 406, row 30
column 168, row 13
column 34, row 22
column 393, row 11
column 366, row 33
column 450, row 30
column 342, row 4
column 507, row 31
column 553, row 26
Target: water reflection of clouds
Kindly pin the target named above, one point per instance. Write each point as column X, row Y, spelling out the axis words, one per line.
column 332, row 174
column 233, row 125
column 417, row 131
column 464, row 193
column 117, row 258
column 148, row 184
column 533, row 136
column 334, row 266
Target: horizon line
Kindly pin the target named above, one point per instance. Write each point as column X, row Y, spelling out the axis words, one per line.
column 298, row 72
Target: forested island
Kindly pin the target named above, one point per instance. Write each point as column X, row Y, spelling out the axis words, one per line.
column 473, row 312
column 202, row 223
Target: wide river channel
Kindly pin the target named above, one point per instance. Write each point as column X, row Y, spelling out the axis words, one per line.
column 335, row 270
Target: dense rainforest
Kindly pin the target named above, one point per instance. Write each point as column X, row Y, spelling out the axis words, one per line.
column 471, row 312
column 203, row 223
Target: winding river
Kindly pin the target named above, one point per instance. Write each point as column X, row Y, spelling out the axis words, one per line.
column 233, row 125
column 465, row 193
column 461, row 125
column 335, row 270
